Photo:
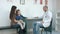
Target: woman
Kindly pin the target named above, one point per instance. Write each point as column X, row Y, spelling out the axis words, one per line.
column 12, row 18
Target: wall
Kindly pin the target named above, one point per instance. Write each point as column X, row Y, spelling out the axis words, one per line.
column 30, row 9
column 54, row 9
column 57, row 28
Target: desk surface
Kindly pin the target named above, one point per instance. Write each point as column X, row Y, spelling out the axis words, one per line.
column 34, row 18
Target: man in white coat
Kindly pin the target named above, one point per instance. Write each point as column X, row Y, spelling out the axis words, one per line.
column 45, row 22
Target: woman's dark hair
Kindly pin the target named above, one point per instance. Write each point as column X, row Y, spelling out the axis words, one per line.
column 17, row 12
column 12, row 12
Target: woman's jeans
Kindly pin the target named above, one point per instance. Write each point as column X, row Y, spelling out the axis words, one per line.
column 36, row 27
column 17, row 26
column 19, row 30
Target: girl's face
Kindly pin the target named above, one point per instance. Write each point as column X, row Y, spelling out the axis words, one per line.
column 18, row 13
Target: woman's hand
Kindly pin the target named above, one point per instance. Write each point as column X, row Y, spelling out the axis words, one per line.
column 15, row 21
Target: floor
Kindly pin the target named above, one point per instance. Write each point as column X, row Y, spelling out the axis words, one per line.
column 13, row 31
column 8, row 31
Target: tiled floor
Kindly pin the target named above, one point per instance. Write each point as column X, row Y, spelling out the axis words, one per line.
column 54, row 32
column 13, row 31
column 10, row 31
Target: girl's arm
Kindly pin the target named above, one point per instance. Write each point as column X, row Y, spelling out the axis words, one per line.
column 23, row 16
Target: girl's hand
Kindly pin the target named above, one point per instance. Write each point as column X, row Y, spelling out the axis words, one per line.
column 21, row 21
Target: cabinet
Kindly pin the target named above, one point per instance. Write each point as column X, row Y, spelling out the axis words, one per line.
column 57, row 28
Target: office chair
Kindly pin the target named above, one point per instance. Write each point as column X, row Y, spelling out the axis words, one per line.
column 48, row 29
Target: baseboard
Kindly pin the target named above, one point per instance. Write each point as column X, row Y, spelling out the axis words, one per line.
column 6, row 27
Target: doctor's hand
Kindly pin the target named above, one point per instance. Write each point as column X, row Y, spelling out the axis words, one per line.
column 42, row 22
column 35, row 17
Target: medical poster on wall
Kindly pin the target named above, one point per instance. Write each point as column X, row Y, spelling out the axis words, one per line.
column 38, row 1
column 41, row 1
column 46, row 2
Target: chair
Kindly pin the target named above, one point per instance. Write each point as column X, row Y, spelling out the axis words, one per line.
column 25, row 30
column 48, row 29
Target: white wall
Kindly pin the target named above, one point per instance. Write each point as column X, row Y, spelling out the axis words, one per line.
column 30, row 9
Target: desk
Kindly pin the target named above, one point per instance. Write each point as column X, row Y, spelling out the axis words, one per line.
column 36, row 19
column 30, row 22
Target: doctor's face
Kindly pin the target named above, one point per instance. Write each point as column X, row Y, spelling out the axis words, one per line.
column 45, row 8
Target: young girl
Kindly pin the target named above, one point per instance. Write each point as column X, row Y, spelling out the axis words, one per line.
column 19, row 18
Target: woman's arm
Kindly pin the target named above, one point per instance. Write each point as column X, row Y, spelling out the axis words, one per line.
column 14, row 19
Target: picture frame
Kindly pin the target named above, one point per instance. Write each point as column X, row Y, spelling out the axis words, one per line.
column 22, row 2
